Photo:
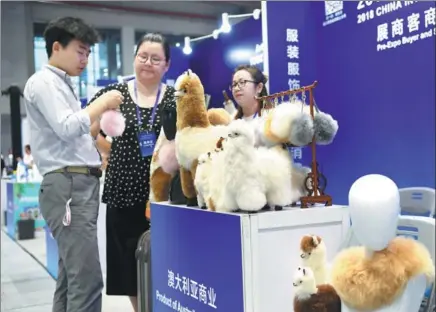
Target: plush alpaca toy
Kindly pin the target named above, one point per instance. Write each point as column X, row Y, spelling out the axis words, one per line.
column 290, row 124
column 201, row 181
column 113, row 123
column 276, row 170
column 195, row 134
column 310, row 297
column 375, row 275
column 164, row 164
column 217, row 116
column 253, row 177
column 313, row 253
column 244, row 187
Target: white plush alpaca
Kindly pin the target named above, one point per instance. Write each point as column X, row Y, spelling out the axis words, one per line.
column 244, row 186
column 202, row 176
column 313, row 253
column 308, row 296
column 304, row 283
column 276, row 170
column 269, row 171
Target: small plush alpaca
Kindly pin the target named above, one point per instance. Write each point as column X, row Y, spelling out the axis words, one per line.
column 201, row 180
column 309, row 297
column 313, row 253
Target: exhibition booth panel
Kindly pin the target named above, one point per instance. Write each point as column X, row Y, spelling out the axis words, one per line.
column 206, row 261
column 21, row 208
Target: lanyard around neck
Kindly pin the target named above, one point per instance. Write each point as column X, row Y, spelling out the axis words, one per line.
column 138, row 111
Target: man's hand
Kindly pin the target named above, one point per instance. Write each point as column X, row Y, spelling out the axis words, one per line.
column 112, row 99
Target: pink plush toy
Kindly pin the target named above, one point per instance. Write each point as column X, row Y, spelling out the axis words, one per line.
column 113, row 123
column 167, row 157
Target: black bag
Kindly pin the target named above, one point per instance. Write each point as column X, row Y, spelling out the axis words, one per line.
column 169, row 122
column 143, row 260
column 176, row 194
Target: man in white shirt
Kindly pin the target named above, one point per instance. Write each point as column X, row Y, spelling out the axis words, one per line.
column 66, row 155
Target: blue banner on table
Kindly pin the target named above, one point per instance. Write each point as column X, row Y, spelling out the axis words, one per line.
column 196, row 260
column 23, row 203
column 52, row 256
column 375, row 62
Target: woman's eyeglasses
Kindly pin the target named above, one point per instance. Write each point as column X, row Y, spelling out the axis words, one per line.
column 240, row 84
column 143, row 58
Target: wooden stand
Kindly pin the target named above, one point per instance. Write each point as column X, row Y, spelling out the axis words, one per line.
column 315, row 182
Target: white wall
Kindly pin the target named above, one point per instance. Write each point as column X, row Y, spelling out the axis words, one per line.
column 17, row 51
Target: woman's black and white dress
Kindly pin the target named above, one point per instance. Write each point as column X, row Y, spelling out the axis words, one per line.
column 126, row 191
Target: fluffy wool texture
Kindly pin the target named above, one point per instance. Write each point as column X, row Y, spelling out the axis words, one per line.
column 218, row 116
column 167, row 157
column 244, row 187
column 369, row 283
column 313, row 253
column 311, row 297
column 275, row 166
column 195, row 134
column 113, row 123
column 298, row 178
column 291, row 122
column 201, row 181
column 253, row 177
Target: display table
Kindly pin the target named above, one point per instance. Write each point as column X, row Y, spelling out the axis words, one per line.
column 22, row 203
column 206, row 261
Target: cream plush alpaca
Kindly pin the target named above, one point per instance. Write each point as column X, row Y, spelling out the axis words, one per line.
column 275, row 166
column 250, row 173
column 308, row 296
column 313, row 253
column 202, row 176
column 244, row 186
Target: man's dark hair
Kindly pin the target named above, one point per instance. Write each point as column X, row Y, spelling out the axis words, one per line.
column 66, row 29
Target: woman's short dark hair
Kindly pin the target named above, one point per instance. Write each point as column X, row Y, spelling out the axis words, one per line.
column 66, row 29
column 258, row 77
column 27, row 147
column 157, row 38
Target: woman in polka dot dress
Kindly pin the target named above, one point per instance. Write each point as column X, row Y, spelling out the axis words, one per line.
column 126, row 185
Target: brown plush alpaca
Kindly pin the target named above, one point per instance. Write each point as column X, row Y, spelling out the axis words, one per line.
column 369, row 283
column 195, row 134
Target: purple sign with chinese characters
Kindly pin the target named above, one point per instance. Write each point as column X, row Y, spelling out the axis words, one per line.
column 374, row 61
column 196, row 260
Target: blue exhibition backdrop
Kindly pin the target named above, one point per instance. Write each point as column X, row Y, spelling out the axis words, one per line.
column 190, row 249
column 215, row 60
column 375, row 65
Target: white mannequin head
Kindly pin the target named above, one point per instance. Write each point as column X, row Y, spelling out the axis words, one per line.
column 374, row 203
